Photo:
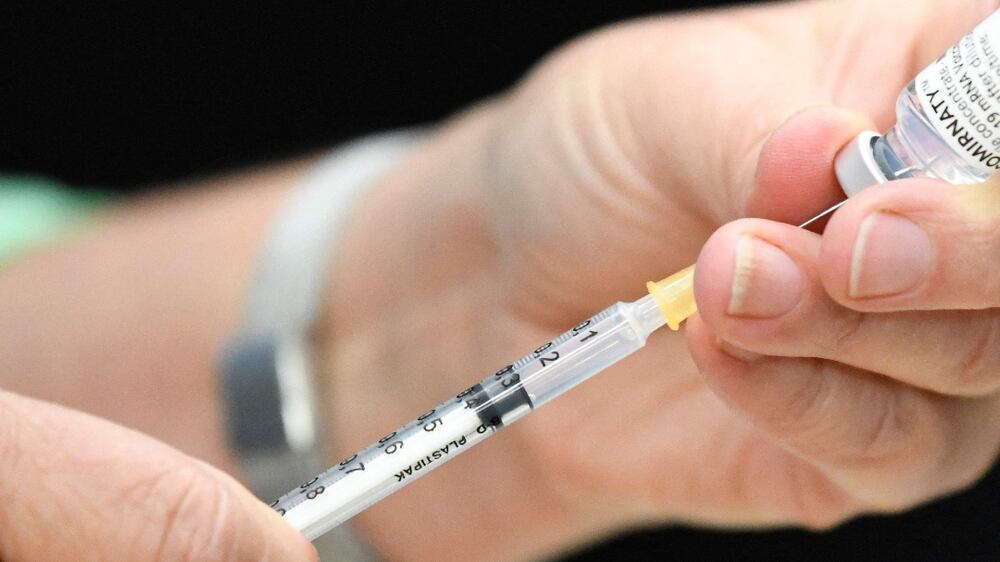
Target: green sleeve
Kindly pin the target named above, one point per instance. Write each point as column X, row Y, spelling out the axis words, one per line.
column 35, row 211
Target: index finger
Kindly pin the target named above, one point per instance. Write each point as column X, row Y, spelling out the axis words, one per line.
column 915, row 245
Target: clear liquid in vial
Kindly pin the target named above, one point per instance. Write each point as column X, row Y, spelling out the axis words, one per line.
column 913, row 148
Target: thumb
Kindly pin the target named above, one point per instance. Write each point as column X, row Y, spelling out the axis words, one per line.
column 795, row 171
column 74, row 487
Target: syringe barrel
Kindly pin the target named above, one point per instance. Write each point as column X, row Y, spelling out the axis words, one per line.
column 384, row 467
column 472, row 415
column 583, row 351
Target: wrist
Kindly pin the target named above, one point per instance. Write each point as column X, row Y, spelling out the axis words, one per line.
column 415, row 290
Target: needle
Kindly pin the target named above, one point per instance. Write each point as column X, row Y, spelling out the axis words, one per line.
column 823, row 214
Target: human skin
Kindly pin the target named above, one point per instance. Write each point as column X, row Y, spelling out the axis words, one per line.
column 612, row 163
column 120, row 322
column 76, row 487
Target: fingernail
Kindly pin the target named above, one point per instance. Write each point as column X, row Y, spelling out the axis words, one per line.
column 736, row 352
column 766, row 282
column 892, row 255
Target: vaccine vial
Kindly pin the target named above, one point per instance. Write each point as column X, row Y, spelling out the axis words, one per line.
column 947, row 121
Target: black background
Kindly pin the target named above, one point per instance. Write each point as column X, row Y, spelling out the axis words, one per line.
column 126, row 96
column 142, row 92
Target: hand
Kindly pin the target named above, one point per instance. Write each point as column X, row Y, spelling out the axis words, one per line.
column 611, row 165
column 74, row 487
column 871, row 352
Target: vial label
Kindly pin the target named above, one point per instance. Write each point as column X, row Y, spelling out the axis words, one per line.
column 960, row 95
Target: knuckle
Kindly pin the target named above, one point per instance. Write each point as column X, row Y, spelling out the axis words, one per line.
column 968, row 449
column 195, row 522
column 889, row 430
column 806, row 407
column 977, row 373
column 814, row 417
column 848, row 328
column 819, row 504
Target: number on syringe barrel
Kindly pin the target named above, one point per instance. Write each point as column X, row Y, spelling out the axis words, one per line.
column 470, row 403
column 311, row 494
column 579, row 328
column 304, row 489
column 390, row 448
column 430, row 425
column 541, row 349
column 546, row 359
column 344, row 464
column 512, row 379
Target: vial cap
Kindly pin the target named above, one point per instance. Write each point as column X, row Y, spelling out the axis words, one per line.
column 855, row 164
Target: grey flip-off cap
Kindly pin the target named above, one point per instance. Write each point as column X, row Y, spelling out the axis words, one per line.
column 855, row 164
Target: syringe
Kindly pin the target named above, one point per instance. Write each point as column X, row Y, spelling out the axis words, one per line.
column 923, row 143
column 474, row 414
